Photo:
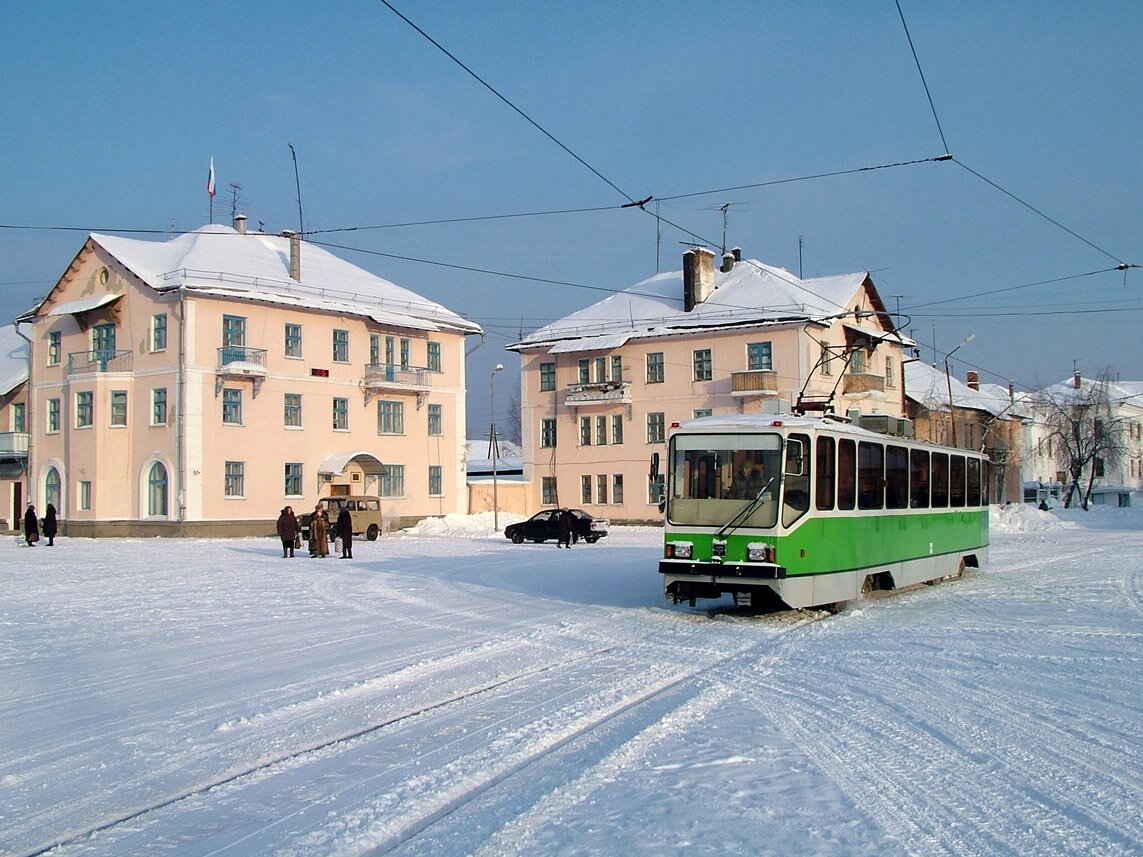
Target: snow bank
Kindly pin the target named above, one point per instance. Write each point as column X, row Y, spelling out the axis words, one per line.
column 478, row 526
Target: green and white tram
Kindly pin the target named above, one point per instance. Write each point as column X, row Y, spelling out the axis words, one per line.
column 815, row 511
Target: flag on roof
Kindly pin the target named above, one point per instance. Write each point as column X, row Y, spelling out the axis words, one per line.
column 210, row 179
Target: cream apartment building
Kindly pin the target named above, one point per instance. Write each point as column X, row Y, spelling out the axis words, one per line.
column 600, row 388
column 199, row 384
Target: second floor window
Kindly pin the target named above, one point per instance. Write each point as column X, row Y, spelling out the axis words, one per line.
column 434, row 356
column 235, row 479
column 118, row 407
column 616, row 368
column 759, row 356
column 233, row 331
column 53, row 415
column 656, row 428
column 159, row 332
column 655, row 367
column 19, row 421
column 159, row 406
column 390, row 417
column 55, row 347
column 436, row 420
column 293, row 340
column 341, row 346
column 890, row 379
column 617, row 428
column 292, row 410
column 703, row 370
column 232, row 407
column 547, row 433
column 584, row 370
column 340, row 413
column 857, row 361
column 374, row 349
column 84, row 409
column 404, row 354
column 103, row 341
column 547, row 377
column 601, row 430
column 585, row 431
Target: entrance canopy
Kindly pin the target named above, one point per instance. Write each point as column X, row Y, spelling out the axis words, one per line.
column 336, row 462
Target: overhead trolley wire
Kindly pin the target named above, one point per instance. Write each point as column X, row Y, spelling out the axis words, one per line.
column 921, row 72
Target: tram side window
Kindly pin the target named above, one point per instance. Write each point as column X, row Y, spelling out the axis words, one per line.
column 827, row 474
column 919, row 479
column 986, row 482
column 896, row 477
column 974, row 482
column 940, row 486
column 870, row 475
column 796, row 493
column 956, row 480
column 846, row 474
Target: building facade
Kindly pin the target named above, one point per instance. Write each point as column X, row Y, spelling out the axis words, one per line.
column 13, row 427
column 600, row 388
column 198, row 385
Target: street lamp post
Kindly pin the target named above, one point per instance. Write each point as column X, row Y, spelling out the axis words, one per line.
column 495, row 449
column 948, row 381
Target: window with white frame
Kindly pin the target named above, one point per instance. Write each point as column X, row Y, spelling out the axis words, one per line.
column 340, row 413
column 616, row 367
column 857, row 361
column 340, row 346
column 159, row 332
column 232, row 406
column 890, row 380
column 292, row 410
column 585, row 490
column 390, row 417
column 547, row 377
column 293, row 344
column 584, row 370
column 617, row 489
column 393, row 481
column 601, row 430
column 601, row 489
column 19, row 419
column 84, row 409
column 234, row 484
column 704, row 370
column 547, row 433
column 617, row 428
column 53, row 416
column 159, row 406
column 655, row 372
column 294, row 483
column 55, row 347
column 118, row 407
column 83, row 495
column 585, row 431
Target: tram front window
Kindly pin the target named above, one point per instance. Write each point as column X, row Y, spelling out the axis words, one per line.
column 714, row 477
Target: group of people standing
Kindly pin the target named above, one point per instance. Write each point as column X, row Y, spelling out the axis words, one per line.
column 289, row 530
column 32, row 525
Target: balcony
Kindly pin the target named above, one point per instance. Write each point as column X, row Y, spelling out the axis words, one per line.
column 238, row 361
column 83, row 362
column 863, row 382
column 599, row 393
column 13, row 445
column 395, row 378
column 755, row 382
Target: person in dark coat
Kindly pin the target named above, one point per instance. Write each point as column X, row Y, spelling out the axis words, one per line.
column 31, row 526
column 50, row 524
column 566, row 521
column 288, row 531
column 345, row 530
column 319, row 533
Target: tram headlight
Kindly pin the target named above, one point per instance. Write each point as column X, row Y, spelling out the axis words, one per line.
column 679, row 550
column 760, row 552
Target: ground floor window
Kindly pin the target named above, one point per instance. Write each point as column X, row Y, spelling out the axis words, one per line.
column 235, row 485
column 617, row 488
column 83, row 501
column 585, row 489
column 393, row 481
column 52, row 487
column 157, row 490
column 436, row 481
column 548, row 490
column 293, row 480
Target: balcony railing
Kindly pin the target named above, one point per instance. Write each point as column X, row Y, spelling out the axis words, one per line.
column 240, row 360
column 599, row 392
column 862, row 382
column 394, row 376
column 81, row 362
column 13, row 444
column 755, row 382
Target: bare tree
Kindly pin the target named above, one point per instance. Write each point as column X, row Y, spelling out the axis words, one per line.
column 1085, row 431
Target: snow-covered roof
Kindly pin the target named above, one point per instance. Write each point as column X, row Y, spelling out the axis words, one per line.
column 217, row 259
column 929, row 386
column 751, row 293
column 13, row 359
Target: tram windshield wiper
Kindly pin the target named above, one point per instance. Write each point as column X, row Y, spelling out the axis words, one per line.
column 745, row 512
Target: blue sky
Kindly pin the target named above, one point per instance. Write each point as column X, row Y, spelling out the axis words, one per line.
column 111, row 114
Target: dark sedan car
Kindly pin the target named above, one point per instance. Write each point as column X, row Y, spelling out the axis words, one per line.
column 546, row 525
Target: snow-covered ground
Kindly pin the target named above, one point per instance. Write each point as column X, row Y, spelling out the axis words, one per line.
column 447, row 692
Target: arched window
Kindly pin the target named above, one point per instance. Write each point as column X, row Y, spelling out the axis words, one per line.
column 157, row 490
column 52, row 487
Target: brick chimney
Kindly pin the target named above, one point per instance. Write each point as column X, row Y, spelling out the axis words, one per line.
column 973, row 380
column 1077, row 381
column 698, row 277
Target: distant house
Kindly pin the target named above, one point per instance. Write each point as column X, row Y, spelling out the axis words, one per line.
column 13, row 426
column 198, row 385
column 601, row 387
column 984, row 418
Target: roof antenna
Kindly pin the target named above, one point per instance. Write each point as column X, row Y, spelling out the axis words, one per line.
column 298, row 185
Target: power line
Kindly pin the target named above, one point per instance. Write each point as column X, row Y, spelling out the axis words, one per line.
column 474, row 219
column 911, row 309
column 924, row 82
column 495, row 92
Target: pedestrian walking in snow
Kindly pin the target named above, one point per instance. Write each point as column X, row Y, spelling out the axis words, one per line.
column 288, row 531
column 50, row 524
column 345, row 532
column 566, row 522
column 31, row 526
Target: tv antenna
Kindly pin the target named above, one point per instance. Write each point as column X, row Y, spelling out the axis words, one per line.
column 234, row 188
column 298, row 185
